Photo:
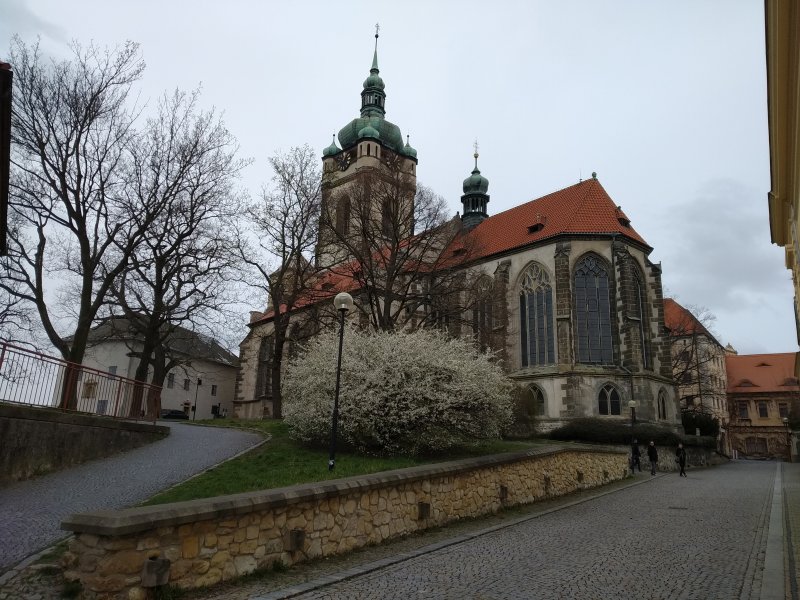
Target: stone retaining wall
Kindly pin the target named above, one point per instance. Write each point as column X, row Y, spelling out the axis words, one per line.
column 218, row 539
column 37, row 440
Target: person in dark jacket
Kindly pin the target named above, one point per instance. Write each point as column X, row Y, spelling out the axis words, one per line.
column 636, row 457
column 652, row 454
column 680, row 456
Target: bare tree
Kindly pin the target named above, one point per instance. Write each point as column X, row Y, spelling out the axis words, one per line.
column 279, row 254
column 405, row 258
column 696, row 357
column 178, row 276
column 71, row 128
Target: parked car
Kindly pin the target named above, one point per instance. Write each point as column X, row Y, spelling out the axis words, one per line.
column 168, row 413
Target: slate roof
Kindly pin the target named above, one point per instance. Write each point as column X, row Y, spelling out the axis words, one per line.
column 760, row 373
column 181, row 340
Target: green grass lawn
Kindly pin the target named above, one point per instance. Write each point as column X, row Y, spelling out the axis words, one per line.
column 282, row 461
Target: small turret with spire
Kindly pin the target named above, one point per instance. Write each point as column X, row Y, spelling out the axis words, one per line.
column 475, row 197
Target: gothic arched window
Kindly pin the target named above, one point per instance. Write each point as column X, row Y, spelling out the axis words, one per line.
column 264, row 371
column 537, row 339
column 482, row 314
column 608, row 401
column 639, row 313
column 593, row 312
column 662, row 404
column 343, row 216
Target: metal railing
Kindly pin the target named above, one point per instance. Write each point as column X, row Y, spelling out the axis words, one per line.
column 36, row 379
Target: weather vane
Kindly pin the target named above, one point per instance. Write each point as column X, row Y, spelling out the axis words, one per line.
column 475, row 145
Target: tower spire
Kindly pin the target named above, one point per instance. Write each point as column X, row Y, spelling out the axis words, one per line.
column 373, row 98
column 375, row 55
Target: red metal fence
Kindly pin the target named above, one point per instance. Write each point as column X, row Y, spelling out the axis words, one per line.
column 29, row 377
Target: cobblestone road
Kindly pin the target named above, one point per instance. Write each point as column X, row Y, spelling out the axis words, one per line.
column 31, row 511
column 698, row 537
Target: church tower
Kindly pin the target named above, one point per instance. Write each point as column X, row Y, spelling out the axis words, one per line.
column 369, row 147
column 475, row 197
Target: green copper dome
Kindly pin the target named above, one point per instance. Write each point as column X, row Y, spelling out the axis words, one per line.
column 369, row 132
column 332, row 149
column 476, row 183
column 408, row 150
column 374, row 81
column 388, row 133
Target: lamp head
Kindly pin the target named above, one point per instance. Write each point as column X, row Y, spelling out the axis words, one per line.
column 343, row 301
column 632, row 404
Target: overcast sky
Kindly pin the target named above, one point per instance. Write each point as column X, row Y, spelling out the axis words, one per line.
column 665, row 101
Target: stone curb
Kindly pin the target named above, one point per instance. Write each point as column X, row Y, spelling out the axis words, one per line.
column 351, row 573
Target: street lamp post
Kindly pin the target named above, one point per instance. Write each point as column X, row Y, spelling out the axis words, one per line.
column 632, row 406
column 343, row 302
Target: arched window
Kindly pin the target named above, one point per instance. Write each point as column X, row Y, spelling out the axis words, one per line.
column 482, row 317
column 343, row 216
column 537, row 400
column 639, row 313
column 662, row 404
column 537, row 339
column 263, row 388
column 608, row 401
column 593, row 312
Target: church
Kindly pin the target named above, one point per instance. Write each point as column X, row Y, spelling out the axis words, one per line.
column 568, row 300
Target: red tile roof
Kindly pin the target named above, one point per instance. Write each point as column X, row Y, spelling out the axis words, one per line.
column 759, row 373
column 583, row 208
column 681, row 321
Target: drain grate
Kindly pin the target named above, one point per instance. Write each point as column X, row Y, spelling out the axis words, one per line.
column 678, row 507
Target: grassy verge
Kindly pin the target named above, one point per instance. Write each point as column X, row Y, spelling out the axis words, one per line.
column 281, row 462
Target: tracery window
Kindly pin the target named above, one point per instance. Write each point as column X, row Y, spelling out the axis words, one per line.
column 662, row 404
column 482, row 317
column 608, row 401
column 640, row 314
column 264, row 371
column 593, row 312
column 537, row 338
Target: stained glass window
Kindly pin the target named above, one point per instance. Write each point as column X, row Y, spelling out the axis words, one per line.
column 593, row 312
column 537, row 339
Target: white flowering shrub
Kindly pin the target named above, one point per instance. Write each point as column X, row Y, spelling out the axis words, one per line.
column 401, row 393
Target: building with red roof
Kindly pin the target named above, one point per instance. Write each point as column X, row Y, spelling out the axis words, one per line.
column 698, row 362
column 566, row 294
column 763, row 399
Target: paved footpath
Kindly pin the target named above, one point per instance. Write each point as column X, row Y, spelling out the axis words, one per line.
column 31, row 511
column 703, row 537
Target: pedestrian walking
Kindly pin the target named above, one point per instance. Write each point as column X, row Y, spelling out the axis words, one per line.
column 652, row 454
column 680, row 456
column 636, row 457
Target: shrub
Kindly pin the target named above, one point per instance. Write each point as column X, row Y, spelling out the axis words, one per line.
column 401, row 393
column 707, row 424
column 606, row 431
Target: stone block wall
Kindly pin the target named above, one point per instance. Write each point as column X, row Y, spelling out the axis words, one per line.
column 34, row 441
column 218, row 539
